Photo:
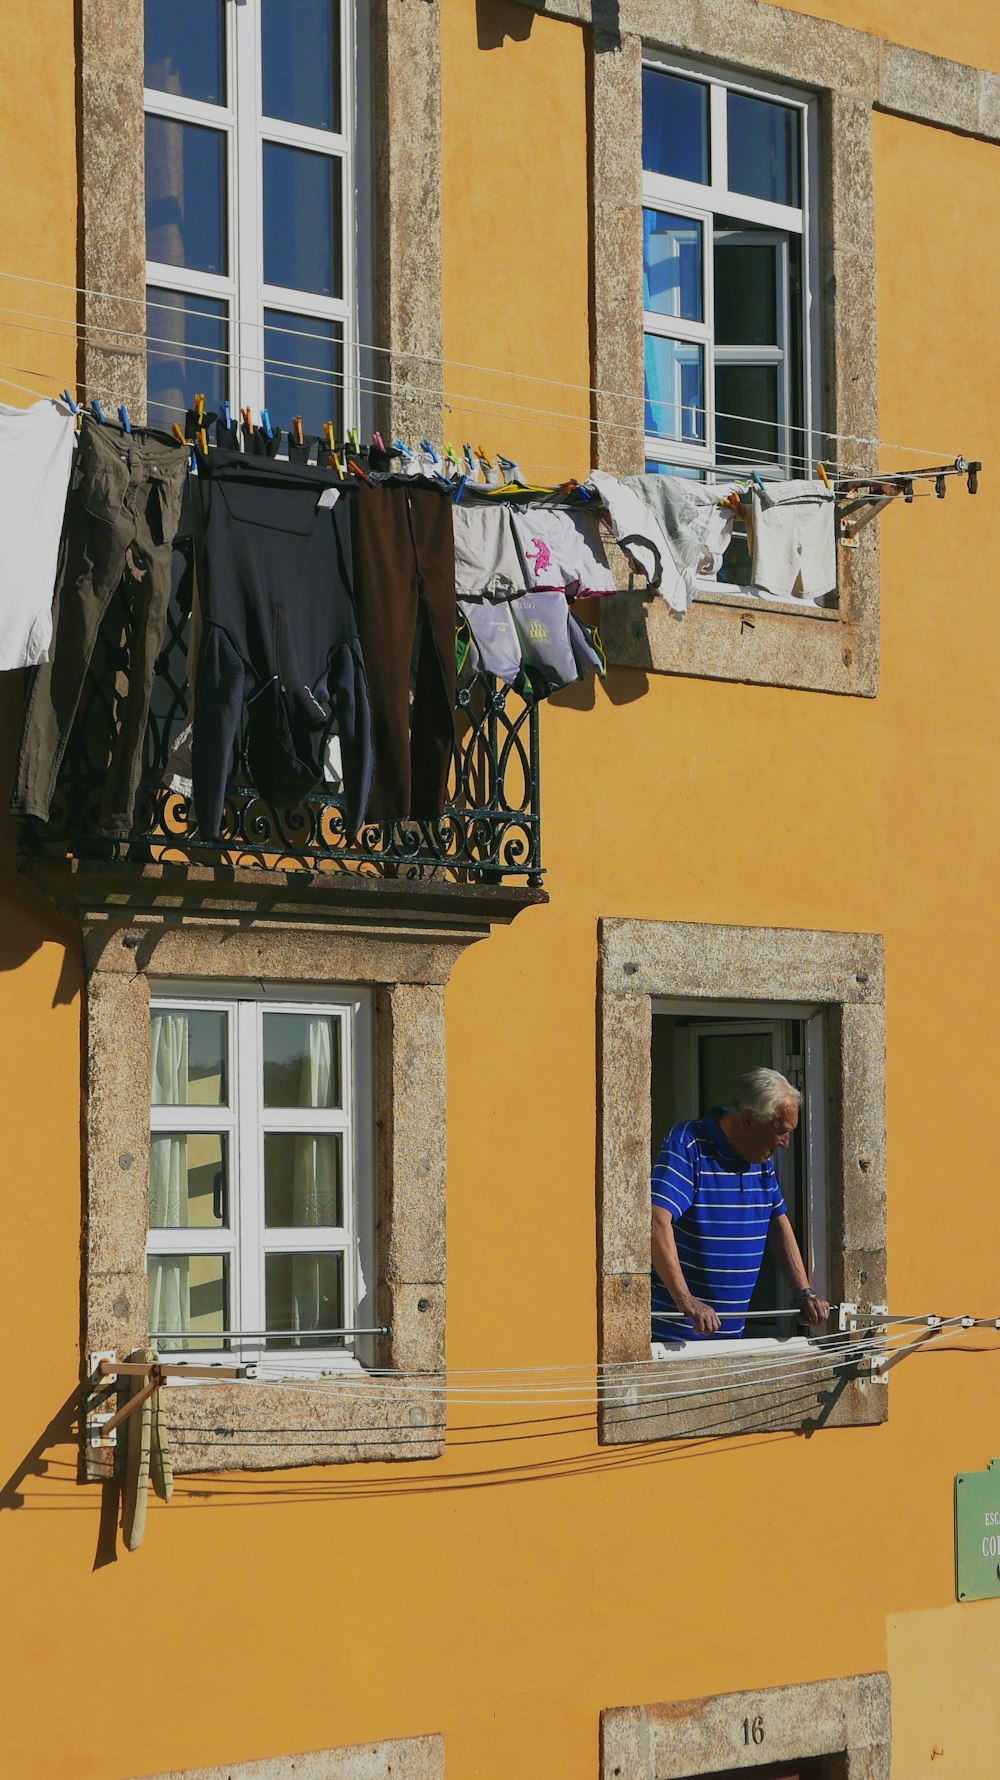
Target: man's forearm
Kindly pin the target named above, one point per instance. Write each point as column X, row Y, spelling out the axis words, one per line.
column 667, row 1264
column 781, row 1238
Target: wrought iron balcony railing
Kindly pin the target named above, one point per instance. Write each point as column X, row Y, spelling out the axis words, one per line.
column 488, row 834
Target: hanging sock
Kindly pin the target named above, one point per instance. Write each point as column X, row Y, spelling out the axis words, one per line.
column 147, row 1456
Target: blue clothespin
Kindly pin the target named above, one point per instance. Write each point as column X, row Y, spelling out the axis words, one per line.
column 95, row 409
column 265, row 421
column 469, row 460
column 123, row 417
column 758, row 484
column 68, row 399
column 459, row 488
column 227, row 416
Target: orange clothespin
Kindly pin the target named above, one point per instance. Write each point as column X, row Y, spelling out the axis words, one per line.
column 355, row 469
column 821, row 473
column 175, row 429
column 246, row 416
column 203, row 441
column 297, row 433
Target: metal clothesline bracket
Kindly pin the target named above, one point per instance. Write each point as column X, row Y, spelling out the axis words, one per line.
column 105, row 1377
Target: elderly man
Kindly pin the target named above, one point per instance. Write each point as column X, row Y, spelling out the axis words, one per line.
column 716, row 1201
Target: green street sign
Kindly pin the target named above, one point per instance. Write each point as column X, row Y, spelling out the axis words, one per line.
column 977, row 1533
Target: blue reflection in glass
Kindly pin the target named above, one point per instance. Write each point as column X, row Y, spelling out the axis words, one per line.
column 675, row 389
column 302, row 220
column 185, row 195
column 187, row 348
column 764, row 150
column 687, row 471
column 300, row 52
column 674, row 126
column 303, row 370
column 185, row 48
column 671, row 265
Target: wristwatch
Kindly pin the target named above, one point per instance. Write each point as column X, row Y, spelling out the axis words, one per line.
column 804, row 1292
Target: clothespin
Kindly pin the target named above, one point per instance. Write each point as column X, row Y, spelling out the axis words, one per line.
column 824, row 478
column 378, row 441
column 123, row 417
column 459, row 489
column 175, row 429
column 354, row 440
column 758, row 484
column 265, row 421
column 470, row 461
column 487, row 462
column 512, row 471
column 907, row 491
column 203, row 441
column 97, row 411
column 247, row 419
column 297, row 433
column 68, row 399
column 940, row 487
column 199, row 411
column 227, row 420
column 355, row 469
column 972, row 477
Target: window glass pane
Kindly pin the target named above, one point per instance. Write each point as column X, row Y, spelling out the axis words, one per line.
column 188, row 1181
column 764, row 149
column 746, row 399
column 302, row 220
column 303, row 1292
column 187, row 1057
column 300, row 50
column 674, row 126
column 303, row 1180
column 185, row 195
column 187, row 349
column 675, row 389
column 188, row 1301
column 304, row 370
column 185, row 48
column 722, row 1058
column 686, row 470
column 746, row 290
column 302, row 1060
column 671, row 265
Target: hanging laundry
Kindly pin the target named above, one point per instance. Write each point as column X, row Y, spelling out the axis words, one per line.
column 121, row 516
column 36, row 456
column 186, row 598
column 486, row 556
column 277, row 605
column 494, row 646
column 635, row 528
column 404, row 561
column 794, row 539
column 555, row 652
column 696, row 527
column 562, row 550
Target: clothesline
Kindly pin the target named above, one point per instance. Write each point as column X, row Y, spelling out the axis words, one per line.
column 430, row 359
column 292, row 371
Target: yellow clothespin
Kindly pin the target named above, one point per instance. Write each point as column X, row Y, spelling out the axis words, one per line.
column 354, row 440
column 199, row 407
column 175, row 429
column 487, row 462
column 821, row 473
column 203, row 441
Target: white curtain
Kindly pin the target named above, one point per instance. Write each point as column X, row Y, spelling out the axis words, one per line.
column 169, row 1285
column 314, row 1175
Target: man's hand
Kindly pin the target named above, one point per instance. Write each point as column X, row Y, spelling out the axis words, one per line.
column 813, row 1310
column 704, row 1320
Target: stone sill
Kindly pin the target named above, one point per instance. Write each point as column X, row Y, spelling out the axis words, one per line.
column 740, row 1402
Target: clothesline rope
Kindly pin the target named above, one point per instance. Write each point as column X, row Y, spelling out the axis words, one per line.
column 456, row 364
column 214, row 358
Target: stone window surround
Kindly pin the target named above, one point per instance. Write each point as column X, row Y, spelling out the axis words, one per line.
column 726, row 637
column 397, row 1758
column 846, row 1720
column 139, row 927
column 645, row 960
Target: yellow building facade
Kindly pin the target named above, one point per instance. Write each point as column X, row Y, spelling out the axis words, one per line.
column 549, row 1591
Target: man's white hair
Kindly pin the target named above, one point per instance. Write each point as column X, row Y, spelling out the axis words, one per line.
column 763, row 1092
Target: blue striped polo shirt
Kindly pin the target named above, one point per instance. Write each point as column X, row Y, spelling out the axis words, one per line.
column 721, row 1208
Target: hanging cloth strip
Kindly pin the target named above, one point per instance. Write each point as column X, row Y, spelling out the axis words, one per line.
column 36, row 458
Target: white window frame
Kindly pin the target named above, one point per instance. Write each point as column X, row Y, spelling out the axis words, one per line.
column 703, row 203
column 810, row 1079
column 244, row 1121
column 246, row 129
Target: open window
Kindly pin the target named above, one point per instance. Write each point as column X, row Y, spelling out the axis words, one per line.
column 730, row 264
column 698, row 1050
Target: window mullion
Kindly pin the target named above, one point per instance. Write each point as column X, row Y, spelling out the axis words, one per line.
column 718, row 142
column 248, row 318
column 249, row 1296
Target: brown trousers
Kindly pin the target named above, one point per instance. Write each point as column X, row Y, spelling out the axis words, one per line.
column 404, row 569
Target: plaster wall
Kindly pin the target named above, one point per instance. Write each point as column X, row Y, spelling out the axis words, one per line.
column 527, row 1579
